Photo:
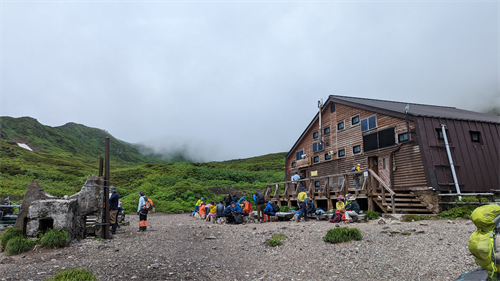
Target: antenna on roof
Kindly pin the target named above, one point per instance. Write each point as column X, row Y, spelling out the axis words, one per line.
column 407, row 108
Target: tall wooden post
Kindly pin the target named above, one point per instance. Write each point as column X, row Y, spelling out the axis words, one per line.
column 106, row 190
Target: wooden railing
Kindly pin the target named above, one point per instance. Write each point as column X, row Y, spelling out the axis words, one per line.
column 384, row 189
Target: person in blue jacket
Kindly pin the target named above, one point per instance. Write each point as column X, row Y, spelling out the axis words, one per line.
column 269, row 209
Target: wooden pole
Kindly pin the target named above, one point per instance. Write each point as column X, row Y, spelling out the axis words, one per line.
column 106, row 190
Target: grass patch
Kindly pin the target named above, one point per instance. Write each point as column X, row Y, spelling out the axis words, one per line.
column 274, row 242
column 97, row 239
column 285, row 209
column 126, row 224
column 460, row 211
column 74, row 275
column 279, row 236
column 54, row 238
column 410, row 218
column 342, row 234
column 8, row 234
column 18, row 245
column 406, row 233
column 372, row 215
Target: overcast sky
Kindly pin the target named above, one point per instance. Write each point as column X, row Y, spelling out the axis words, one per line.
column 236, row 79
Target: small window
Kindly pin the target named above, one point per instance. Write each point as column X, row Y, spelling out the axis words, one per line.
column 369, row 123
column 298, row 155
column 383, row 163
column 475, row 136
column 316, row 184
column 341, row 153
column 341, row 181
column 293, row 164
column 315, row 135
column 356, row 149
column 332, row 107
column 403, row 137
column 439, row 134
column 355, row 120
column 316, row 159
column 340, row 125
column 326, row 130
column 328, row 156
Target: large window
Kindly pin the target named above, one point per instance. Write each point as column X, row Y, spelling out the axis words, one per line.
column 341, row 153
column 369, row 123
column 298, row 155
column 380, row 139
column 317, row 146
column 316, row 159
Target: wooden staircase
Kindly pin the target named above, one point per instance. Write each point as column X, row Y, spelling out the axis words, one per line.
column 405, row 201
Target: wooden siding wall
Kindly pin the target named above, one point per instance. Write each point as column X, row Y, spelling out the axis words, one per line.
column 407, row 158
column 477, row 164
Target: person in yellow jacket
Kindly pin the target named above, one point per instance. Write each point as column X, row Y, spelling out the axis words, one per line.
column 340, row 206
column 197, row 206
column 302, row 202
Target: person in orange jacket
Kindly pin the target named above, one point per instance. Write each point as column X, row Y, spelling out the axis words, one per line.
column 248, row 207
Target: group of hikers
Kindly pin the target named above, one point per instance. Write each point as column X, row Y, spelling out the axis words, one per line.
column 115, row 208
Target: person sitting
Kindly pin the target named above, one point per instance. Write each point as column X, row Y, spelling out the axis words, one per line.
column 311, row 209
column 340, row 206
column 228, row 212
column 207, row 208
column 236, row 199
column 197, row 206
column 268, row 210
column 240, row 201
column 219, row 210
column 352, row 210
column 212, row 211
column 347, row 200
column 202, row 211
column 247, row 207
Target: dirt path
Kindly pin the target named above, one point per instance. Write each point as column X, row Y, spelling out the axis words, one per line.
column 178, row 249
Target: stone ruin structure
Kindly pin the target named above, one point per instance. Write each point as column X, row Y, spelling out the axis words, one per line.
column 80, row 214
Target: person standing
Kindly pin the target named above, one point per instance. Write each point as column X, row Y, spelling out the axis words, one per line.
column 197, row 206
column 260, row 203
column 113, row 209
column 302, row 202
column 228, row 199
column 357, row 176
column 295, row 178
column 142, row 212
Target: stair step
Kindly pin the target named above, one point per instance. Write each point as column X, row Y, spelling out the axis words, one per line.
column 396, row 195
column 411, row 210
column 398, row 199
column 405, row 205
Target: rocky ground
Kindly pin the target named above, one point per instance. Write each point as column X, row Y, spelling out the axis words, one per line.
column 179, row 247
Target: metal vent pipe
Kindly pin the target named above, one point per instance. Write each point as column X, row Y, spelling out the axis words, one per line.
column 448, row 151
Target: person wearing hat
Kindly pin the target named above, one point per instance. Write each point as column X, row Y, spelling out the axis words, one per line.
column 197, row 206
column 302, row 202
column 352, row 210
column 347, row 200
column 113, row 209
column 340, row 206
column 142, row 212
column 357, row 176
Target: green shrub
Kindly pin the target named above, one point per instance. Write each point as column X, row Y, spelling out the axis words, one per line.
column 18, row 245
column 412, row 218
column 8, row 234
column 342, row 234
column 406, row 233
column 461, row 211
column 274, row 242
column 54, row 238
column 74, row 275
column 285, row 209
column 372, row 215
column 279, row 236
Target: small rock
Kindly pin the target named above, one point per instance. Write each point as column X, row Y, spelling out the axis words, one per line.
column 419, row 231
column 386, row 227
column 395, row 232
column 413, row 230
column 423, row 223
column 210, row 237
column 337, row 225
column 381, row 221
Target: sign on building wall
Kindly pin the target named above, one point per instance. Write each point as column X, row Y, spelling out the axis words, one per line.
column 314, row 173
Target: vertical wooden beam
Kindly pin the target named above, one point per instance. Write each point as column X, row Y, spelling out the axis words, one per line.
column 106, row 190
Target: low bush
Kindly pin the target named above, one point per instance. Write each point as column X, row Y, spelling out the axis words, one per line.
column 8, row 234
column 54, row 238
column 274, row 242
column 279, row 236
column 18, row 245
column 412, row 218
column 285, row 209
column 342, row 234
column 372, row 215
column 74, row 275
column 406, row 233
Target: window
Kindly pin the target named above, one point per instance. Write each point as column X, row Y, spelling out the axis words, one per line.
column 341, row 181
column 326, row 130
column 340, row 125
column 328, row 156
column 369, row 123
column 380, row 139
column 383, row 163
column 294, row 164
column 332, row 107
column 355, row 120
column 298, row 155
column 403, row 137
column 315, row 135
column 317, row 146
column 316, row 184
column 341, row 153
column 475, row 136
column 356, row 149
column 440, row 134
column 316, row 159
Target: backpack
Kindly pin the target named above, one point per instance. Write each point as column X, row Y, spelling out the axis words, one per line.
column 336, row 218
column 148, row 204
column 275, row 207
column 238, row 217
column 482, row 241
column 260, row 198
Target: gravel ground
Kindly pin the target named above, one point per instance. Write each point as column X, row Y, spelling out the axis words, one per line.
column 179, row 247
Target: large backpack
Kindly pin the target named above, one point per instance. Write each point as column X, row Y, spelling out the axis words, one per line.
column 336, row 218
column 148, row 204
column 482, row 241
column 275, row 207
column 238, row 217
column 260, row 198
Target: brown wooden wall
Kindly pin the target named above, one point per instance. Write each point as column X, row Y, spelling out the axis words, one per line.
column 477, row 164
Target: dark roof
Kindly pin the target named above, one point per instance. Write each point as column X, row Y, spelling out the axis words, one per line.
column 419, row 109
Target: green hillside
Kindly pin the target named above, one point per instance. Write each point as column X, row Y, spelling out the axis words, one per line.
column 71, row 139
column 62, row 161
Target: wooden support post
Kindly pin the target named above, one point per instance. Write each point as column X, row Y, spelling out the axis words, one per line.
column 393, row 205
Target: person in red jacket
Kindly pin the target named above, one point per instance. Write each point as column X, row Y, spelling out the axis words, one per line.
column 247, row 208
